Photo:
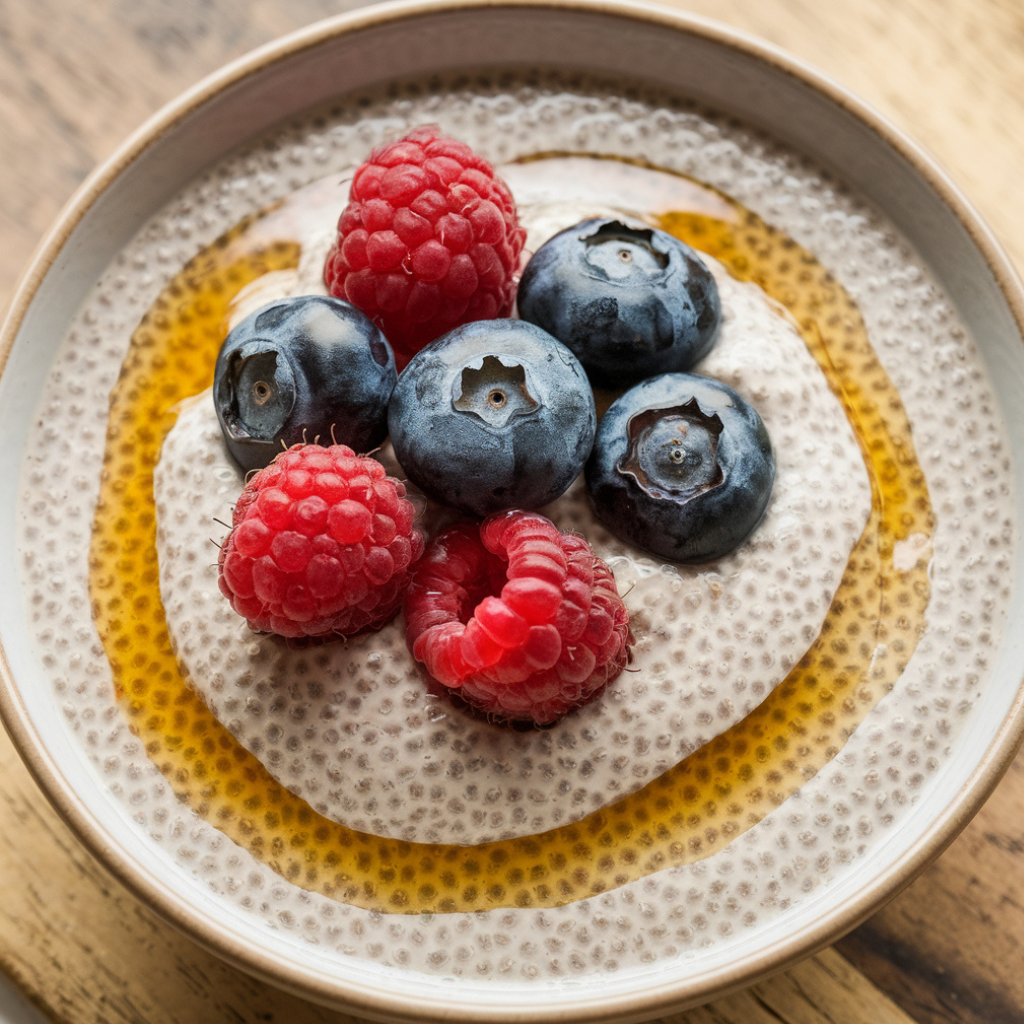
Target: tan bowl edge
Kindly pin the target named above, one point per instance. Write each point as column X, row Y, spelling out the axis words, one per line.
column 377, row 1001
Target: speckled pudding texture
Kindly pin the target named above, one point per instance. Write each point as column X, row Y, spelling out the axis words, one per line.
column 356, row 733
column 354, row 756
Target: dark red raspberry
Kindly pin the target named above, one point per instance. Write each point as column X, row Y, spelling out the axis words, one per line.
column 524, row 622
column 429, row 240
column 322, row 543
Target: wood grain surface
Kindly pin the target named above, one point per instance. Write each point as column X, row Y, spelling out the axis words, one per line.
column 75, row 78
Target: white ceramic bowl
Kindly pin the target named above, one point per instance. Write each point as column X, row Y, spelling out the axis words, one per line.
column 696, row 59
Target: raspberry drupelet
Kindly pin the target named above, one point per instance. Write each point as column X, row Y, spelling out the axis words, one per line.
column 429, row 240
column 521, row 620
column 322, row 544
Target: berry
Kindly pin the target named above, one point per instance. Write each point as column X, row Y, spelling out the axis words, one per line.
column 522, row 621
column 299, row 369
column 429, row 240
column 322, row 543
column 630, row 302
column 494, row 415
column 681, row 466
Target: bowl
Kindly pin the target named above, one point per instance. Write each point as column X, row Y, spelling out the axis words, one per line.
column 810, row 886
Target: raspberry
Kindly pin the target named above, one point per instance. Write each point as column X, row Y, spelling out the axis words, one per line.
column 322, row 542
column 523, row 621
column 429, row 240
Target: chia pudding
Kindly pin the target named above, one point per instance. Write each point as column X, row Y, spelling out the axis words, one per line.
column 787, row 703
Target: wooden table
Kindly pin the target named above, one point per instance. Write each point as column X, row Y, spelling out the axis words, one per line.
column 75, row 79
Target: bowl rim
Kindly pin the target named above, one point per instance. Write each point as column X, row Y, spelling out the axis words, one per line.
column 376, row 1000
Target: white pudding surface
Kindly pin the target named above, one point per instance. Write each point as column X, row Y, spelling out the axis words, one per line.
column 354, row 730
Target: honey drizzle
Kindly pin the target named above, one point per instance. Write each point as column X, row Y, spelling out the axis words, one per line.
column 687, row 813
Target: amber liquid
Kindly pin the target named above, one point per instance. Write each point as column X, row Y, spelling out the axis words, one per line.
column 687, row 813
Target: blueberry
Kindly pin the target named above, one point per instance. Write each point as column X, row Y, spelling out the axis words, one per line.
column 493, row 415
column 299, row 369
column 681, row 466
column 630, row 302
